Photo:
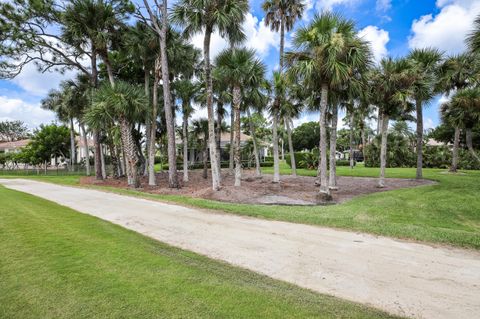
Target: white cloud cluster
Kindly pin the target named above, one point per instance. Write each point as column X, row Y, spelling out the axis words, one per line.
column 329, row 4
column 259, row 38
column 17, row 109
column 378, row 39
column 447, row 29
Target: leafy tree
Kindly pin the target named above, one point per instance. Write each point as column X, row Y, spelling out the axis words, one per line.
column 473, row 39
column 47, row 142
column 208, row 16
column 306, row 136
column 13, row 131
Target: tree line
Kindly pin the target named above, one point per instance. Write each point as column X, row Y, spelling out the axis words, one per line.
column 136, row 64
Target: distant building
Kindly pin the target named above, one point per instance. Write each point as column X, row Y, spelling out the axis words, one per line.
column 13, row 147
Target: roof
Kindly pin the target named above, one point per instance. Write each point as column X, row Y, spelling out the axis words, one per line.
column 14, row 144
column 224, row 138
column 433, row 142
column 79, row 141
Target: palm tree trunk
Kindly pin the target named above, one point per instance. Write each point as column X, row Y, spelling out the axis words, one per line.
column 130, row 152
column 468, row 136
column 205, row 159
column 167, row 100
column 276, row 160
column 283, row 149
column 258, row 170
column 232, row 148
column 185, row 142
column 324, row 193
column 218, row 137
column 332, row 179
column 211, row 120
column 364, row 143
column 379, row 121
column 456, row 143
column 290, row 147
column 85, row 149
column 383, row 150
column 102, row 159
column 238, row 163
column 419, row 107
column 114, row 159
column 96, row 134
column 152, row 181
column 72, row 146
column 148, row 124
column 352, row 118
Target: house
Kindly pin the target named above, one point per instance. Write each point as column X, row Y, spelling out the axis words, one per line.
column 13, row 147
column 195, row 153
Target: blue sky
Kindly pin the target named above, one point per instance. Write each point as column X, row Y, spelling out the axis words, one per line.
column 393, row 27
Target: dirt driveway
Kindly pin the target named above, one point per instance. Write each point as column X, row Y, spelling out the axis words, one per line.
column 408, row 279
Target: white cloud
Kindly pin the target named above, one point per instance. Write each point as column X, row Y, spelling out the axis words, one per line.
column 17, row 109
column 428, row 124
column 383, row 5
column 446, row 30
column 329, row 4
column 259, row 38
column 378, row 39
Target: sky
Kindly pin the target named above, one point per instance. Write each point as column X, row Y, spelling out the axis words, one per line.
column 393, row 27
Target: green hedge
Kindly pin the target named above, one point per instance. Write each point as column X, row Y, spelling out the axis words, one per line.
column 309, row 160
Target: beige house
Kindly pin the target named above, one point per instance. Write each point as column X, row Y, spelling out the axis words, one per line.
column 13, row 147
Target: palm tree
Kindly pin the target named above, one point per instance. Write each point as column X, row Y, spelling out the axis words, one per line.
column 329, row 53
column 473, row 39
column 425, row 63
column 95, row 24
column 240, row 68
column 124, row 103
column 200, row 132
column 280, row 15
column 208, row 16
column 255, row 98
column 392, row 82
column 142, row 46
column 186, row 90
column 464, row 112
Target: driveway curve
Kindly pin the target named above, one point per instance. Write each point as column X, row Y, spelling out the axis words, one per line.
column 403, row 278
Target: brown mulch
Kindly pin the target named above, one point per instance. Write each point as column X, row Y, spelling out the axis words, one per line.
column 300, row 190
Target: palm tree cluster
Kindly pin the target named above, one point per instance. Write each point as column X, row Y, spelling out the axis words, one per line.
column 142, row 71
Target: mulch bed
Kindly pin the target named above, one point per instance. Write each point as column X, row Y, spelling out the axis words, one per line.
column 300, row 190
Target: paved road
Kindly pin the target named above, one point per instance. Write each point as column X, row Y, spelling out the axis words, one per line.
column 408, row 279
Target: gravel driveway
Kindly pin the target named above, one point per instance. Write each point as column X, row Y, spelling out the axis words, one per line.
column 403, row 278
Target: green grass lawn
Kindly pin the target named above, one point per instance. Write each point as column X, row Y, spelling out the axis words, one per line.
column 58, row 263
column 447, row 213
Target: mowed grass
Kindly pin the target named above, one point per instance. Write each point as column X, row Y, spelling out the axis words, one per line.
column 447, row 212
column 58, row 263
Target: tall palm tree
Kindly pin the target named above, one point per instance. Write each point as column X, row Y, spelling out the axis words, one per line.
column 425, row 63
column 256, row 99
column 161, row 27
column 186, row 90
column 208, row 16
column 392, row 82
column 124, row 103
column 95, row 24
column 328, row 53
column 240, row 68
column 200, row 132
column 142, row 46
column 280, row 15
